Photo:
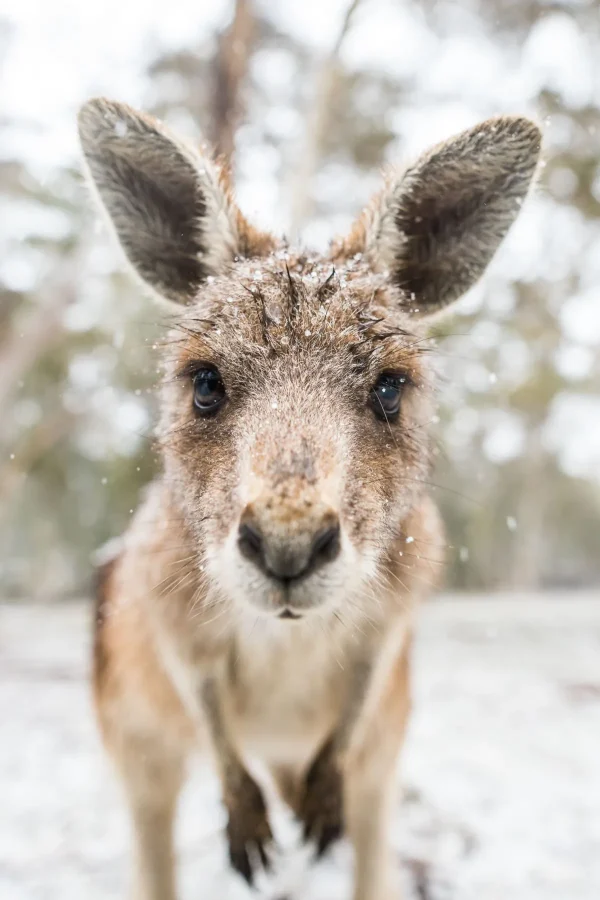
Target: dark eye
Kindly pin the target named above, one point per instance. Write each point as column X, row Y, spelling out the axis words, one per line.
column 385, row 395
column 209, row 391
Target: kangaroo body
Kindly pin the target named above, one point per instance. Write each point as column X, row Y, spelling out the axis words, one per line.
column 261, row 605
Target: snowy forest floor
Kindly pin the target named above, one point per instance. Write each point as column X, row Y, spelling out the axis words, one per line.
column 501, row 771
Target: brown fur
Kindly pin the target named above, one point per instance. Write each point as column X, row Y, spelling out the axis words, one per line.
column 321, row 808
column 102, row 593
column 191, row 651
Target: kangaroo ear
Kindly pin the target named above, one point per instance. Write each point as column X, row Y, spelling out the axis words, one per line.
column 170, row 206
column 436, row 226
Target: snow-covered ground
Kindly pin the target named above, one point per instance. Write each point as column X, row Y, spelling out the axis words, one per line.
column 501, row 770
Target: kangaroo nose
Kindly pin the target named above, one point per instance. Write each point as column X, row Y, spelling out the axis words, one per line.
column 293, row 558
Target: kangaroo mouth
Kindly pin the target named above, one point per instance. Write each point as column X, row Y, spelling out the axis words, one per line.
column 288, row 613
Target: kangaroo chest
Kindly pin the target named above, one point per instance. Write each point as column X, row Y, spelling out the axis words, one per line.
column 284, row 692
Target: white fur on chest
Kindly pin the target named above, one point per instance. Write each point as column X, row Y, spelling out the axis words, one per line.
column 287, row 687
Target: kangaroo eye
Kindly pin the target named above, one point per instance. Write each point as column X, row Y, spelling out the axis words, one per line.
column 385, row 395
column 209, row 391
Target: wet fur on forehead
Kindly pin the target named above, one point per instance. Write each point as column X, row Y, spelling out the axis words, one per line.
column 258, row 311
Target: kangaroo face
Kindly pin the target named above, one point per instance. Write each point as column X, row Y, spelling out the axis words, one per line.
column 295, row 426
column 298, row 390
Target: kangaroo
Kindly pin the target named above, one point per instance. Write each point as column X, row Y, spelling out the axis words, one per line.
column 261, row 605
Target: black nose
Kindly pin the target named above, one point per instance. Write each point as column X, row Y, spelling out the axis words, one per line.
column 293, row 559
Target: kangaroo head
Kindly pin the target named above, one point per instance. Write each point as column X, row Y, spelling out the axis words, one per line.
column 298, row 388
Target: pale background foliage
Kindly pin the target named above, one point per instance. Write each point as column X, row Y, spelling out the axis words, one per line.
column 324, row 105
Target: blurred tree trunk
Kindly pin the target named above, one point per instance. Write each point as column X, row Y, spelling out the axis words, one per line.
column 36, row 443
column 317, row 119
column 33, row 335
column 231, row 65
column 526, row 568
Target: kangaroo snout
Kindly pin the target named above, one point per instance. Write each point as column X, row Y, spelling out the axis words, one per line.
column 292, row 551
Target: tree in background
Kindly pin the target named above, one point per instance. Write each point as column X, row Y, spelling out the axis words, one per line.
column 307, row 128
